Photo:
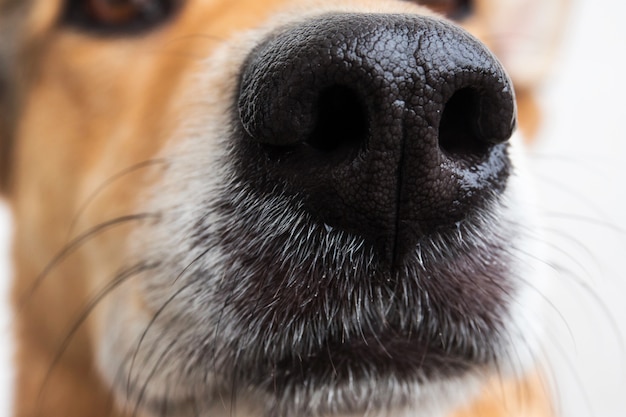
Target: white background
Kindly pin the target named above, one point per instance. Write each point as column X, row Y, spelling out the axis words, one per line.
column 581, row 166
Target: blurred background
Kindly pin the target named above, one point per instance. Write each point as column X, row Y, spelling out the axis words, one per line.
column 580, row 165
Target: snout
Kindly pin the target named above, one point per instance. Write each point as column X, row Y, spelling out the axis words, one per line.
column 387, row 127
column 347, row 234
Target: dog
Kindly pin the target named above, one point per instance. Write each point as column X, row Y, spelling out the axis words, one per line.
column 272, row 208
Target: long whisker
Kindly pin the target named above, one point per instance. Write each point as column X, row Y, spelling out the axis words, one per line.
column 91, row 197
column 86, row 311
column 145, row 332
column 582, row 284
column 563, row 355
column 159, row 312
column 77, row 243
column 151, row 375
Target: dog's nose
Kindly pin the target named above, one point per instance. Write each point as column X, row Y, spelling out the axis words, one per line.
column 389, row 127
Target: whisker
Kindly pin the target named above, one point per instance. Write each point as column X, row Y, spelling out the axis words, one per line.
column 557, row 269
column 225, row 304
column 151, row 375
column 549, row 378
column 606, row 312
column 145, row 332
column 567, row 237
column 581, row 283
column 159, row 312
column 77, row 243
column 196, row 259
column 571, row 367
column 91, row 197
column 119, row 376
column 86, row 311
column 572, row 260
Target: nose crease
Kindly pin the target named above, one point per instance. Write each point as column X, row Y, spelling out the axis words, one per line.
column 395, row 252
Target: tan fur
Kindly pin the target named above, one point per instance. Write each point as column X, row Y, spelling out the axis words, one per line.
column 91, row 108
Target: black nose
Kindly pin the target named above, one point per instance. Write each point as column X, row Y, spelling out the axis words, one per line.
column 389, row 127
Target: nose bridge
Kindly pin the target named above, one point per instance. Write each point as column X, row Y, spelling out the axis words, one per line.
column 398, row 180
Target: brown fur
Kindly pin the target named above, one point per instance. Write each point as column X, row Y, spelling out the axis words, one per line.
column 71, row 106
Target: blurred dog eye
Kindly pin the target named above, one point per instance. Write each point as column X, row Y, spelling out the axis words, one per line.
column 453, row 9
column 118, row 16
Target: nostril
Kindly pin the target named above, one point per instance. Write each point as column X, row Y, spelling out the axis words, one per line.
column 342, row 121
column 387, row 127
column 459, row 135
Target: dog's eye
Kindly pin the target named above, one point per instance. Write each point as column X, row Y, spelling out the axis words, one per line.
column 453, row 9
column 118, row 16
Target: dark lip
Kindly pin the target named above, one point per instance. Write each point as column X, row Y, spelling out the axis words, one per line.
column 371, row 359
column 365, row 358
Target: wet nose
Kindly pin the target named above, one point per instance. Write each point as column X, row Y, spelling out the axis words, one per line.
column 389, row 127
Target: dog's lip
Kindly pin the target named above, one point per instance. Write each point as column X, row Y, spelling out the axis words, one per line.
column 380, row 356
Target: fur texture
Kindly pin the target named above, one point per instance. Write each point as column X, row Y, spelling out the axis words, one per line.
column 155, row 276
